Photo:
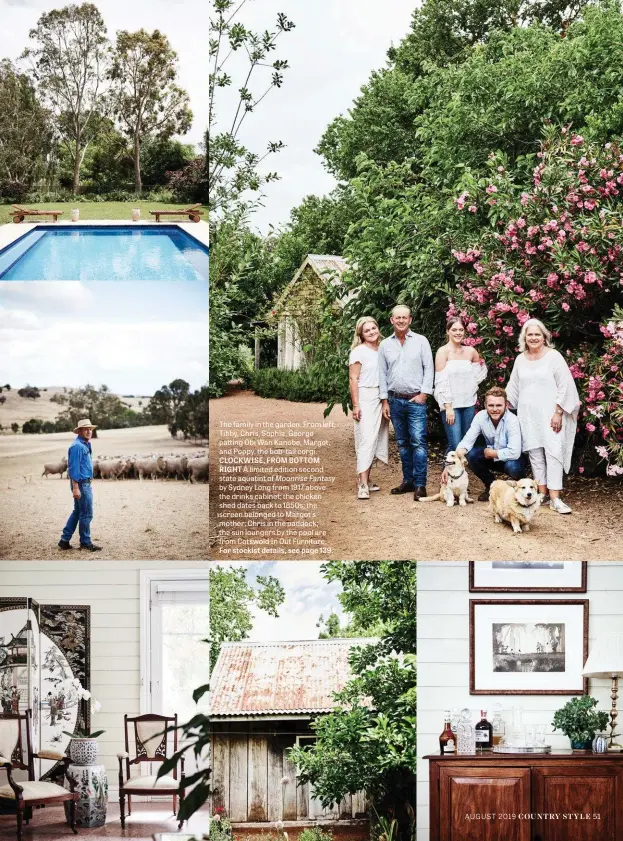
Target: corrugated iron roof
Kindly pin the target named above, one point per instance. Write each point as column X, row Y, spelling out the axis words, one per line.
column 273, row 678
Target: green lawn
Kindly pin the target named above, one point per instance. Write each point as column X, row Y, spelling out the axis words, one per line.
column 98, row 210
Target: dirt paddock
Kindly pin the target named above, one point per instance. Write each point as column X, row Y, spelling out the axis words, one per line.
column 395, row 528
column 148, row 520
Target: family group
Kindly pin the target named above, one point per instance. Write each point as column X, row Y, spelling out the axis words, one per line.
column 535, row 414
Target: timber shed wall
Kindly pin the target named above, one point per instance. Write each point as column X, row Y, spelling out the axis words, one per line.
column 253, row 781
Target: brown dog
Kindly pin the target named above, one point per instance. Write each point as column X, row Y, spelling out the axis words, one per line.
column 515, row 502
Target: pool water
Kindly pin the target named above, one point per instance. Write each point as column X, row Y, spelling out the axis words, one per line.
column 105, row 253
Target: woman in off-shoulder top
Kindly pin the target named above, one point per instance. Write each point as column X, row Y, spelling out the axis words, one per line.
column 459, row 370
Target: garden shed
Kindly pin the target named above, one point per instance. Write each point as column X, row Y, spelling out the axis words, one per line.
column 296, row 311
column 264, row 696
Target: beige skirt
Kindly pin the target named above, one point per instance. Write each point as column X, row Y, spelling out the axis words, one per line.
column 372, row 431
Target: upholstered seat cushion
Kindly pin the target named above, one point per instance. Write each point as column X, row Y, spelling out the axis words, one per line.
column 151, row 782
column 34, row 790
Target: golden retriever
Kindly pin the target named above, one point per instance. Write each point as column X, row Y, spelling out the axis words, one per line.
column 458, row 482
column 515, row 502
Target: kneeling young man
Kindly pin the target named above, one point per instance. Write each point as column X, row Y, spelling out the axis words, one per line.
column 502, row 436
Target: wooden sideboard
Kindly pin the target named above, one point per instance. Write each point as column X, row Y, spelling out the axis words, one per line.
column 562, row 796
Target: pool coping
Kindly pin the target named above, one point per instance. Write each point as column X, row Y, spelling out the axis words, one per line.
column 10, row 233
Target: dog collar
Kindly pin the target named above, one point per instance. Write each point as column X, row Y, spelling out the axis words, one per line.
column 452, row 476
column 526, row 506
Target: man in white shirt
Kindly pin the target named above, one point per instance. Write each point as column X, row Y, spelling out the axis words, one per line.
column 502, row 437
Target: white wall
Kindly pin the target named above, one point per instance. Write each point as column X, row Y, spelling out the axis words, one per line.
column 443, row 655
column 112, row 590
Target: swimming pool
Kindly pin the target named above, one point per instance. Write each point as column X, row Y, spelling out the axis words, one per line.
column 105, row 252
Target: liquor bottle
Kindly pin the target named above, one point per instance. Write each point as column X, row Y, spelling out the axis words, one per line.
column 484, row 732
column 447, row 741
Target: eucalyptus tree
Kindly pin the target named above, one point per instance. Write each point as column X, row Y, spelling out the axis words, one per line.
column 69, row 57
column 146, row 100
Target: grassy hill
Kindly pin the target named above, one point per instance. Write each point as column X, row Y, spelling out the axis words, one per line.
column 18, row 409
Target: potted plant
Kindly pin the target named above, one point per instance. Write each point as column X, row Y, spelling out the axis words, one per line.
column 580, row 721
column 83, row 748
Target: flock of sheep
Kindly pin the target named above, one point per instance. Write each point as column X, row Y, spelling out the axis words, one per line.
column 193, row 467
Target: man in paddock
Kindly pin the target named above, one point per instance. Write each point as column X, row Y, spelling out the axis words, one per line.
column 80, row 472
column 406, row 374
column 498, row 429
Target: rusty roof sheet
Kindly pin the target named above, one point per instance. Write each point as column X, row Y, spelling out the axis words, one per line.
column 273, row 678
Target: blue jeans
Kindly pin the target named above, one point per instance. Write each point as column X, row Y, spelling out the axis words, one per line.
column 81, row 516
column 486, row 468
column 409, row 420
column 463, row 418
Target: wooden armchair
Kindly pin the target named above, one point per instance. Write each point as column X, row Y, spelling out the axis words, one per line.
column 30, row 793
column 151, row 742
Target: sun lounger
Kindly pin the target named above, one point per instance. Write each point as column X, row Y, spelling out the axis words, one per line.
column 193, row 213
column 19, row 213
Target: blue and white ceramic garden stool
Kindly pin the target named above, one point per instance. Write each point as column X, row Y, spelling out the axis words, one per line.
column 92, row 788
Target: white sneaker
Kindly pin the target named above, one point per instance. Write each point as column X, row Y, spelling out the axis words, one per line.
column 373, row 487
column 559, row 506
column 363, row 492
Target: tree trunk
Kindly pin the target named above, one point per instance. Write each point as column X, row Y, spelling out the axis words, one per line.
column 138, row 185
column 76, row 184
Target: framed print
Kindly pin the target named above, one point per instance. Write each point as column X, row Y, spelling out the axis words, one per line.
column 527, row 647
column 527, row 576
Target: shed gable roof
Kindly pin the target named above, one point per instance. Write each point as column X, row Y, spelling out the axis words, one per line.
column 329, row 267
column 273, row 678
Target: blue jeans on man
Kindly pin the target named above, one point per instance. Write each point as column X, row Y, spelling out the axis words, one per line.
column 486, row 468
column 81, row 516
column 410, row 425
column 455, row 432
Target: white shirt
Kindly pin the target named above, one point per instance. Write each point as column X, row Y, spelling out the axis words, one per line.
column 369, row 359
column 458, row 383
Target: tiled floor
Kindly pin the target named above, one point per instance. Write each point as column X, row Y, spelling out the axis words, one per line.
column 147, row 819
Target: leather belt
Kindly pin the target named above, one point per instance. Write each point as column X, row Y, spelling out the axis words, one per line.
column 403, row 396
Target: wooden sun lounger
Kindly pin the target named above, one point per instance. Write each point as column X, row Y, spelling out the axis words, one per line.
column 19, row 213
column 193, row 213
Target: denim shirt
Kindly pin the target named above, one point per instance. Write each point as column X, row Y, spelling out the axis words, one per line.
column 79, row 463
column 405, row 368
column 505, row 437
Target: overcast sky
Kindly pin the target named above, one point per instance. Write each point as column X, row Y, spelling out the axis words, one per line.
column 185, row 22
column 332, row 51
column 132, row 337
column 308, row 595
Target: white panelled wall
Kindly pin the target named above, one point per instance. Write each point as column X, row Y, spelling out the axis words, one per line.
column 112, row 590
column 443, row 655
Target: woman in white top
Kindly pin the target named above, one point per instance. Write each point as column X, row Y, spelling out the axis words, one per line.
column 543, row 391
column 458, row 372
column 371, row 429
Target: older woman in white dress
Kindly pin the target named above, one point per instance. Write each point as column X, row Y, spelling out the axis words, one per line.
column 371, row 429
column 543, row 391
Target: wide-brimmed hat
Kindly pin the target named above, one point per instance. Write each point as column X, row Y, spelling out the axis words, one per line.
column 85, row 423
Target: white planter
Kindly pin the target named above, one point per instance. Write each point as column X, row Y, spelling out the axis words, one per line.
column 75, row 215
column 136, row 214
column 84, row 751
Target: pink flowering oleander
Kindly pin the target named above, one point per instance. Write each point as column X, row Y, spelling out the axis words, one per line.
column 554, row 252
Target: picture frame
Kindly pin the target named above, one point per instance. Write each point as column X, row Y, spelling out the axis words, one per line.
column 528, row 646
column 528, row 576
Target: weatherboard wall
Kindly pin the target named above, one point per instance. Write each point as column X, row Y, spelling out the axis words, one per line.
column 111, row 588
column 443, row 655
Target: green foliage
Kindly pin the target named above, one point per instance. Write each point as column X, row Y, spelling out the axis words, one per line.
column 159, row 157
column 220, row 828
column 15, row 427
column 233, row 170
column 167, row 403
column 145, row 99
column 315, row 833
column 26, row 132
column 301, row 386
column 29, row 391
column 369, row 742
column 231, row 598
column 32, row 427
column 69, row 57
column 579, row 720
